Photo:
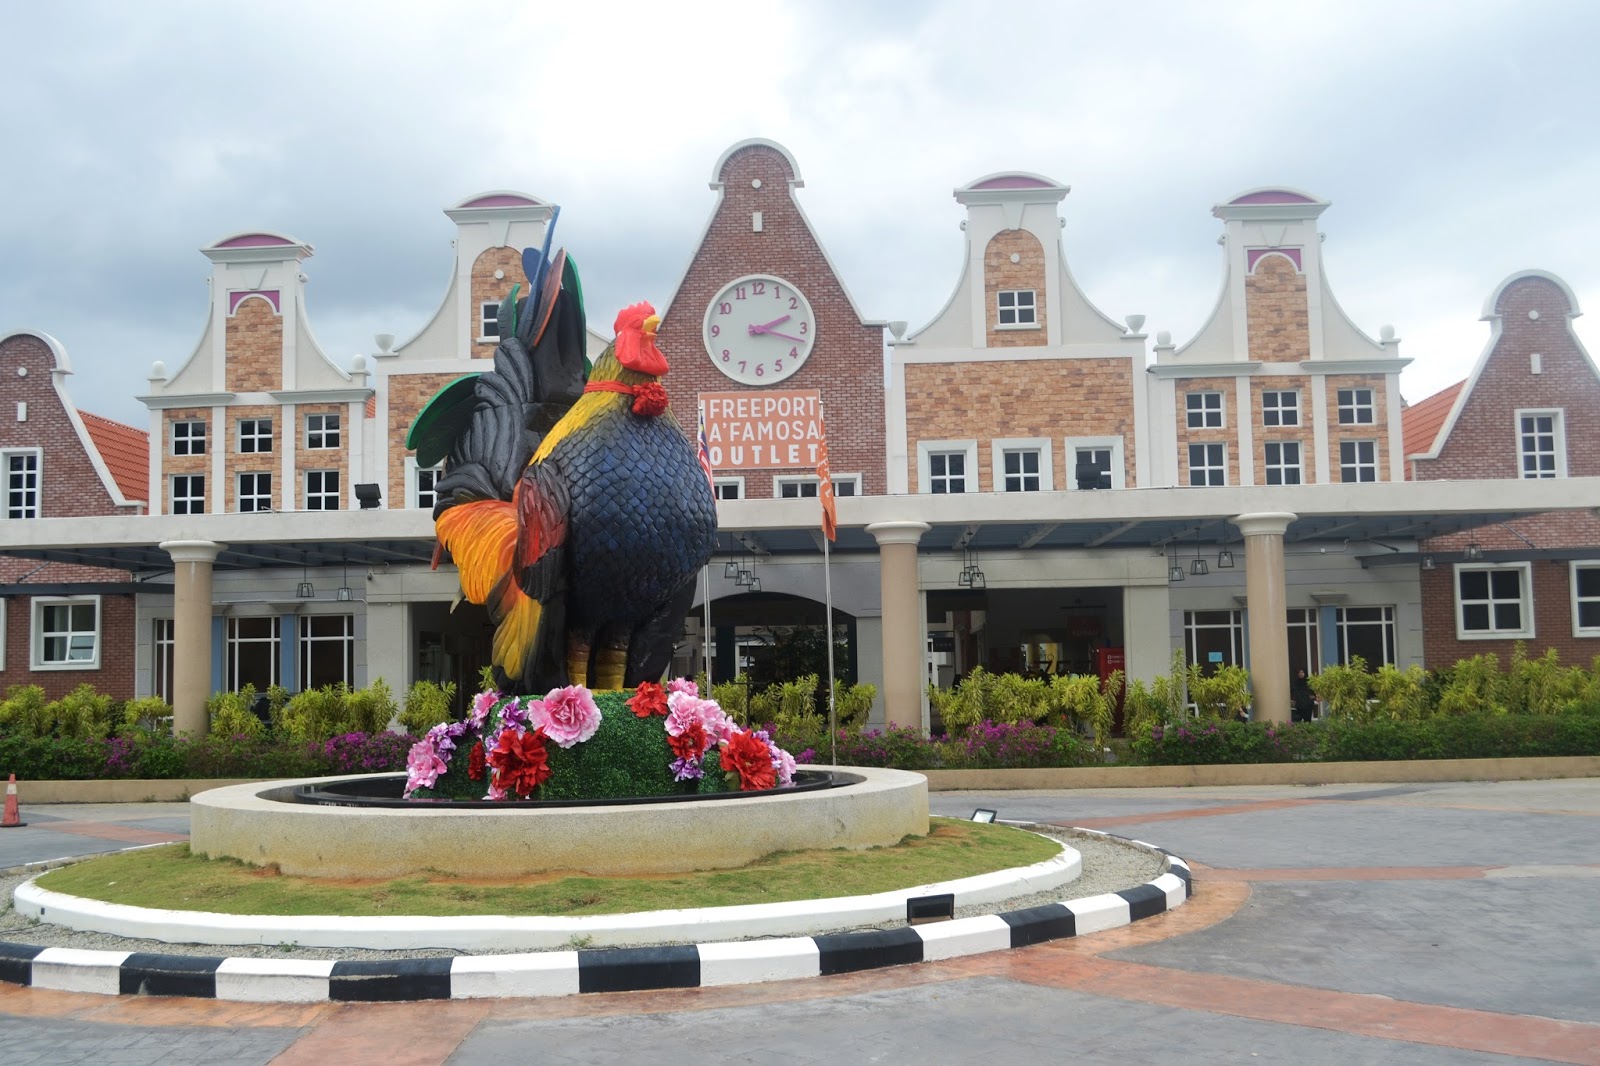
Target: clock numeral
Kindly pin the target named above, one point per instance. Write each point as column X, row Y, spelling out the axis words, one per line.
column 804, row 325
column 777, row 367
column 777, row 292
column 761, row 369
column 725, row 355
column 740, row 293
column 724, row 309
column 759, row 288
column 741, row 366
column 794, row 353
column 794, row 304
column 716, row 330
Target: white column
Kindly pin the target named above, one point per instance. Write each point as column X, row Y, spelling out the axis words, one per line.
column 191, row 614
column 1267, row 595
column 904, row 643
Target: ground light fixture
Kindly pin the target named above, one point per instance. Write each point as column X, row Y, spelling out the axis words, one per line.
column 922, row 909
column 984, row 815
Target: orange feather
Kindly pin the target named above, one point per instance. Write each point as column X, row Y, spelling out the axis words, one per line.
column 481, row 537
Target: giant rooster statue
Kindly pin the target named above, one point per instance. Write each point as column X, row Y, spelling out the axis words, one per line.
column 576, row 512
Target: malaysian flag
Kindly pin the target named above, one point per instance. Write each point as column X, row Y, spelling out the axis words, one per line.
column 830, row 517
column 705, row 450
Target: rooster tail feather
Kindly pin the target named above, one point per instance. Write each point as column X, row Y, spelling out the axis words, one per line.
column 516, row 616
column 481, row 537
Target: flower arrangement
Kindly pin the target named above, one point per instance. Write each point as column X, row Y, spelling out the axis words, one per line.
column 577, row 744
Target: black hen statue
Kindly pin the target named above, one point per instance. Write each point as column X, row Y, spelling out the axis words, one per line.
column 572, row 503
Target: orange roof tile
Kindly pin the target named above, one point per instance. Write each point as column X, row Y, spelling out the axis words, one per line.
column 1422, row 421
column 126, row 451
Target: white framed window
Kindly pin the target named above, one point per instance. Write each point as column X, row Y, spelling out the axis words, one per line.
column 1280, row 408
column 251, row 655
column 847, row 485
column 1356, row 407
column 1203, row 409
column 255, row 435
column 21, row 469
column 322, row 490
column 489, row 320
column 728, row 488
column 947, row 466
column 1541, row 444
column 188, row 494
column 1017, row 309
column 1367, row 632
column 322, row 431
column 1208, row 464
column 1283, row 462
column 1021, row 464
column 795, row 487
column 255, row 491
column 1305, row 648
column 1214, row 638
column 166, row 642
column 66, row 633
column 1585, row 598
column 4, row 607
column 1358, row 461
column 327, row 650
column 189, row 438
column 1094, row 463
column 1494, row 600
column 420, row 482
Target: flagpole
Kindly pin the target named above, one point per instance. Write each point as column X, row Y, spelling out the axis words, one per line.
column 827, row 595
column 705, row 643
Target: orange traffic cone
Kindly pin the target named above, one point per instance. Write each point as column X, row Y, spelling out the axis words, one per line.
column 13, row 817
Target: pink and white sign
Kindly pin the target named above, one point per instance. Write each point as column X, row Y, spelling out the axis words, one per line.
column 765, row 430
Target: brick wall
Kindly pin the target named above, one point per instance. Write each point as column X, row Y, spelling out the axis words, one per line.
column 846, row 364
column 255, row 347
column 216, row 437
column 68, row 487
column 486, row 287
column 1377, row 431
column 1262, row 433
column 999, row 272
column 308, row 459
column 1053, row 398
column 1278, row 321
column 1483, row 444
column 237, row 462
column 408, row 395
column 1228, row 435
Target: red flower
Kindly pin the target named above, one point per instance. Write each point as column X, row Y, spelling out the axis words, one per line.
column 690, row 744
column 748, row 756
column 649, row 698
column 520, row 761
column 649, row 399
column 475, row 762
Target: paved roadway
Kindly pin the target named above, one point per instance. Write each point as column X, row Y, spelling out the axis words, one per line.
column 1421, row 924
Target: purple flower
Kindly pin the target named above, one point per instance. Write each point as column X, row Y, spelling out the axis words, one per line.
column 687, row 770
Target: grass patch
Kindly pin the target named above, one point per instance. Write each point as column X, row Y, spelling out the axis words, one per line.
column 173, row 878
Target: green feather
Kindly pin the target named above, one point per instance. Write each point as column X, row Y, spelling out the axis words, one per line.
column 507, row 316
column 570, row 282
column 445, row 418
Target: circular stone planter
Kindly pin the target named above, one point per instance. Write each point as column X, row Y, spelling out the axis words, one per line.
column 260, row 824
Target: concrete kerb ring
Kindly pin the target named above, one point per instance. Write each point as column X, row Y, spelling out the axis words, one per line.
column 570, row 972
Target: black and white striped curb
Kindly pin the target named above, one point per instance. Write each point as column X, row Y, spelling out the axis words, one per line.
column 562, row 973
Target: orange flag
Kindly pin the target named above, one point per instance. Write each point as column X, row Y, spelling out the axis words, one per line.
column 830, row 517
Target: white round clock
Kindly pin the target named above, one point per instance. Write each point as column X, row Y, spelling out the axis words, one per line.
column 759, row 329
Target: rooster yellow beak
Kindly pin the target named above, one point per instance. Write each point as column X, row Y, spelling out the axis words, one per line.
column 651, row 324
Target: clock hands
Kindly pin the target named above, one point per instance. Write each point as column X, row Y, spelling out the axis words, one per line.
column 766, row 327
column 785, row 336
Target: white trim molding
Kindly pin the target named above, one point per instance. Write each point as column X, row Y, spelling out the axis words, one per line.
column 969, row 476
column 1574, row 568
column 36, row 633
column 1069, row 456
column 1524, row 601
column 1044, row 446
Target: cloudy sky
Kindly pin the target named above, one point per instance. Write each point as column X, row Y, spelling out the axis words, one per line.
column 1457, row 141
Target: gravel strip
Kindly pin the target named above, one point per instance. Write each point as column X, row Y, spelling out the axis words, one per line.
column 1108, row 865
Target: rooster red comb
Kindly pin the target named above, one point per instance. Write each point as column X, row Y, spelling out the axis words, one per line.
column 636, row 340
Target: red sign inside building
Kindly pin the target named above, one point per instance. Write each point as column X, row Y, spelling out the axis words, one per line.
column 770, row 429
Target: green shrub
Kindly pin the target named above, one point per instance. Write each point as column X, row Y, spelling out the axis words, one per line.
column 22, row 712
column 226, row 712
column 1542, row 685
column 370, row 709
column 852, row 704
column 1225, row 694
column 427, row 704
column 733, row 697
column 1475, row 685
column 1401, row 694
column 315, row 714
column 1080, row 701
column 146, row 714
column 1344, row 690
column 82, row 713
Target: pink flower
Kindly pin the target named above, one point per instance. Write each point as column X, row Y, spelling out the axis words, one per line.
column 423, row 767
column 482, row 704
column 685, row 710
column 683, row 684
column 567, row 716
column 783, row 762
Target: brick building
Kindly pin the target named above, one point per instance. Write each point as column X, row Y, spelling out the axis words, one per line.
column 1529, row 411
column 62, row 624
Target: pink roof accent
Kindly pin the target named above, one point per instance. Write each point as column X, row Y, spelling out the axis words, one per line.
column 501, row 200
column 126, row 451
column 1013, row 181
column 240, row 296
column 254, row 240
column 1252, row 256
column 1272, row 196
column 1421, row 422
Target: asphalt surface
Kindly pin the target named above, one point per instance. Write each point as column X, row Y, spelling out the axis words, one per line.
column 1436, row 923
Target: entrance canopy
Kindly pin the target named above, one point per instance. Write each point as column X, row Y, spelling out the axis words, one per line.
column 988, row 522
